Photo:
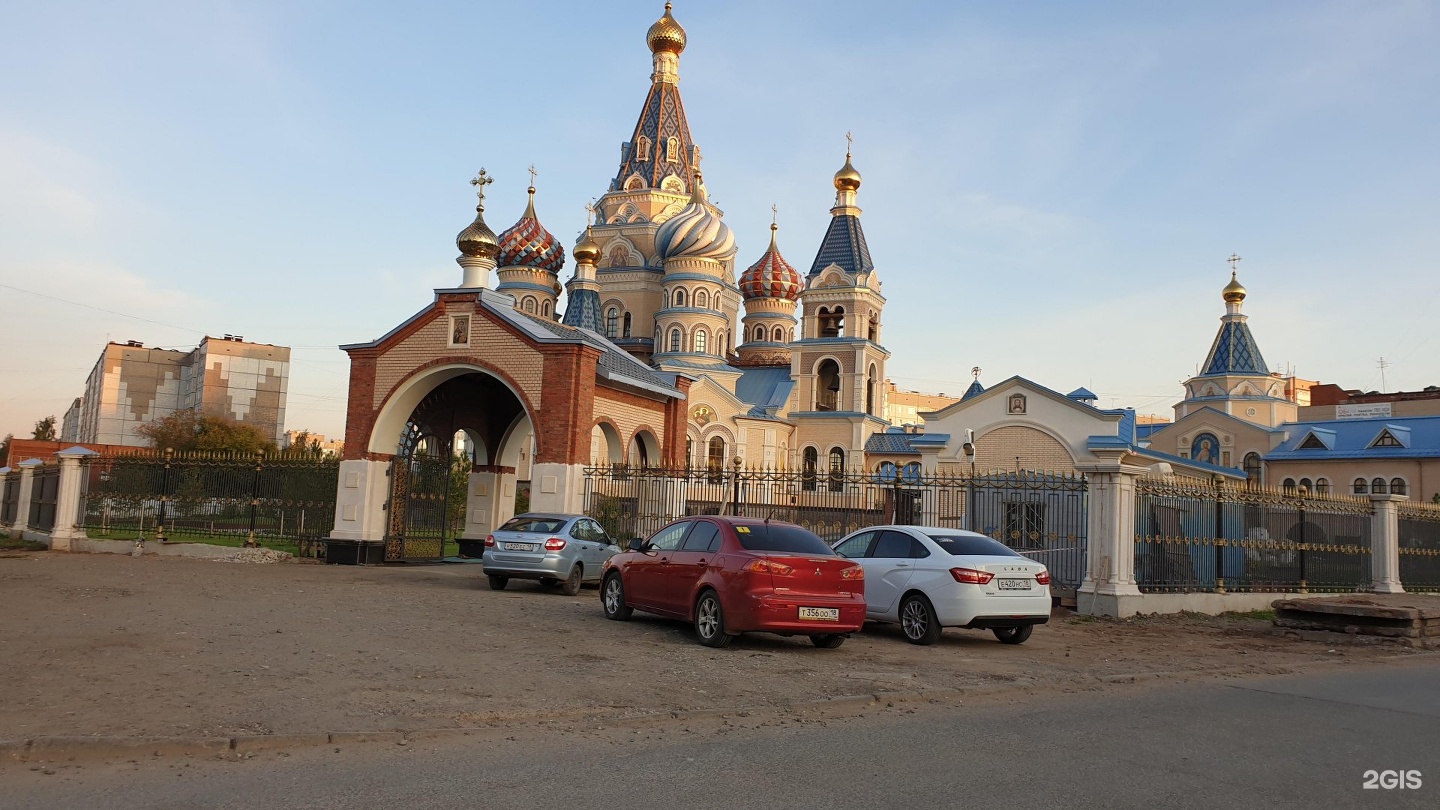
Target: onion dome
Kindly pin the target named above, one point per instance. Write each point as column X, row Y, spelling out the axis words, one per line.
column 666, row 35
column 528, row 244
column 772, row 276
column 1234, row 292
column 587, row 250
column 697, row 232
column 477, row 240
column 847, row 179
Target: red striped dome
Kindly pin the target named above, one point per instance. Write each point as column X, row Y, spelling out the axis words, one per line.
column 528, row 244
column 772, row 276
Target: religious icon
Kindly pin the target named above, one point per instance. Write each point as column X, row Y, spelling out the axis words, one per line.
column 703, row 415
column 460, row 330
column 1017, row 403
column 1206, row 448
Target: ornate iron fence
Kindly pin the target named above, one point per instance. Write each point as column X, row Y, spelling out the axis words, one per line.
column 276, row 502
column 1419, row 546
column 44, row 485
column 1040, row 515
column 1226, row 538
column 10, row 498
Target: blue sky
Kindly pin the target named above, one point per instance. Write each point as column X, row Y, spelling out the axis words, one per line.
column 1051, row 189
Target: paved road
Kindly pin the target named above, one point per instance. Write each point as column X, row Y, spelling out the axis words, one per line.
column 1301, row 742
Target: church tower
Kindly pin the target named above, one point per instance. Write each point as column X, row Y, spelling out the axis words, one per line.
column 657, row 178
column 477, row 243
column 838, row 361
column 582, row 299
column 530, row 260
column 771, row 288
column 1234, row 378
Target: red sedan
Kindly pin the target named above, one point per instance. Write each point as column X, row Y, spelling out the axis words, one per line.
column 731, row 575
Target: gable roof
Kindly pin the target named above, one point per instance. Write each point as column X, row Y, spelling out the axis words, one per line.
column 766, row 390
column 1355, row 439
column 1014, row 381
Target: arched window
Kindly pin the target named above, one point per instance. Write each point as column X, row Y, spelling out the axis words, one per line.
column 809, row 468
column 679, row 297
column 1322, row 486
column 545, row 308
column 1397, row 486
column 612, row 323
column 626, row 332
column 760, row 333
column 672, row 149
column 528, row 305
column 642, row 148
column 700, row 341
column 837, row 469
column 689, row 453
column 701, row 299
column 874, row 334
column 1378, row 487
column 675, row 339
column 1289, row 485
column 715, row 457
column 779, row 336
column 1306, row 485
column 827, row 386
column 1360, row 487
column 870, row 392
column 1252, row 469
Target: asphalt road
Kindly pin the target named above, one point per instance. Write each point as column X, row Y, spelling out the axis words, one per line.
column 1302, row 742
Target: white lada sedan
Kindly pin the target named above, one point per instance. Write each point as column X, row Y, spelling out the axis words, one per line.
column 926, row 578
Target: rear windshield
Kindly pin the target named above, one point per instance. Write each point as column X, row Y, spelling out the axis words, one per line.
column 964, row 545
column 533, row 524
column 780, row 537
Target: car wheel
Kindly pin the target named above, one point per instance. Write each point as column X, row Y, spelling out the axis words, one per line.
column 827, row 642
column 612, row 599
column 572, row 582
column 498, row 583
column 1013, row 635
column 918, row 620
column 710, row 621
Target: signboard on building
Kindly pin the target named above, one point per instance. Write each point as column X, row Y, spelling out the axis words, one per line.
column 1372, row 410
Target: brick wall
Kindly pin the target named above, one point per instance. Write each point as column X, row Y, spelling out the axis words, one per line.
column 1037, row 450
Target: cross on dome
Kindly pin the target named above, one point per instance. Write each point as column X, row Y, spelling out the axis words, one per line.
column 1234, row 261
column 480, row 181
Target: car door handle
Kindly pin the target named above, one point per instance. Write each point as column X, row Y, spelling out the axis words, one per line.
column 902, row 565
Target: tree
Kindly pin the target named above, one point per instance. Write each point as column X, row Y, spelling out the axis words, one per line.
column 190, row 431
column 45, row 429
column 5, row 449
column 303, row 445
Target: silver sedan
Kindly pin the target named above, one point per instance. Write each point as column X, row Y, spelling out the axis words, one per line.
column 566, row 550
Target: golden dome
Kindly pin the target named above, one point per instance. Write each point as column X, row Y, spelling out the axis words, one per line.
column 477, row 240
column 847, row 179
column 666, row 34
column 1234, row 292
column 587, row 250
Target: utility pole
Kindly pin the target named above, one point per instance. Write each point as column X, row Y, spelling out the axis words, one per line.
column 1383, row 364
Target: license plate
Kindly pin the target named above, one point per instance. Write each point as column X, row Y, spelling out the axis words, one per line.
column 820, row 614
column 1014, row 584
column 519, row 546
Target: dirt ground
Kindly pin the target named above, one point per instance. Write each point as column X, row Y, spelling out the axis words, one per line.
column 114, row 645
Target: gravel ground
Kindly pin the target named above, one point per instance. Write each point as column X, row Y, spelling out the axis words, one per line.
column 110, row 644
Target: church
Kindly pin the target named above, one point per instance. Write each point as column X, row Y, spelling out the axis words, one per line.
column 664, row 355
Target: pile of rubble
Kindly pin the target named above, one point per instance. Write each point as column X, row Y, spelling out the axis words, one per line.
column 256, row 555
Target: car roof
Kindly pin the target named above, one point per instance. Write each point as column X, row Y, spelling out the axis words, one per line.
column 547, row 516
column 740, row 520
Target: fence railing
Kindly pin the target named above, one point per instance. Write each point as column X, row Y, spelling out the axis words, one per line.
column 1040, row 515
column 1419, row 546
column 1207, row 538
column 10, row 498
column 277, row 502
column 44, row 486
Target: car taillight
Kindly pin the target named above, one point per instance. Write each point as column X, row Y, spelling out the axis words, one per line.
column 764, row 566
column 489, row 541
column 853, row 573
column 970, row 576
column 554, row 544
column 1043, row 577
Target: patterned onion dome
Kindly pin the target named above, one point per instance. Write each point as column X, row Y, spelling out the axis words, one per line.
column 697, row 232
column 528, row 244
column 772, row 276
column 477, row 240
column 666, row 34
column 587, row 250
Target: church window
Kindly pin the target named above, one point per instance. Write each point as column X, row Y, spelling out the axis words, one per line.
column 1360, row 487
column 809, row 469
column 827, row 386
column 672, row 149
column 528, row 305
column 1397, row 486
column 675, row 339
column 689, row 453
column 715, row 458
column 680, row 297
column 1379, row 487
column 759, row 333
column 1322, row 486
column 701, row 299
column 626, row 331
column 874, row 328
column 545, row 308
column 870, row 392
column 635, row 183
column 612, row 323
column 642, row 148
column 832, row 324
column 1252, row 469
column 1306, row 485
column 1289, row 486
column 729, row 341
column 837, row 469
column 779, row 335
column 700, row 339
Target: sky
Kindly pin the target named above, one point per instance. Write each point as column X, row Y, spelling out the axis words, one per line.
column 1051, row 189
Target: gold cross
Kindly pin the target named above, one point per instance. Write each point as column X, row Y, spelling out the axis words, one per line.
column 849, row 142
column 533, row 173
column 480, row 181
column 774, row 213
column 590, row 213
column 1234, row 263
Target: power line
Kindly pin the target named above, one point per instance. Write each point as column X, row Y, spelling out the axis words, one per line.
column 99, row 309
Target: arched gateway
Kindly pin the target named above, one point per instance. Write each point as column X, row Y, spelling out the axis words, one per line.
column 472, row 395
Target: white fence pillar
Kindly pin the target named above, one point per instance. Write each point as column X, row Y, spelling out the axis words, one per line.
column 361, row 491
column 1385, row 544
column 67, row 498
column 1108, row 588
column 27, row 488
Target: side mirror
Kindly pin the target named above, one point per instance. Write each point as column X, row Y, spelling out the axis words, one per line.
column 637, row 544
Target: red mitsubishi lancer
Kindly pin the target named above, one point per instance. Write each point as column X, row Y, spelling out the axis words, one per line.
column 731, row 575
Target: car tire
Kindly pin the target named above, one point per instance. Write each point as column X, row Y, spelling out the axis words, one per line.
column 827, row 641
column 497, row 582
column 710, row 621
column 918, row 620
column 1013, row 635
column 612, row 599
column 572, row 582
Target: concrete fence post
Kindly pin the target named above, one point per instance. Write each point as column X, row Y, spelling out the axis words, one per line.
column 1108, row 588
column 1385, row 544
column 67, row 498
column 27, row 487
column 5, row 525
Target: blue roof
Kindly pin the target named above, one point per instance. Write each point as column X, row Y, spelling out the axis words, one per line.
column 895, row 441
column 975, row 390
column 582, row 310
column 1083, row 394
column 1234, row 351
column 764, row 389
column 1142, row 432
column 1352, row 438
column 843, row 245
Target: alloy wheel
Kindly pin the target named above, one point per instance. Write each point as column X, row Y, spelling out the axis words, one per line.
column 914, row 619
column 707, row 617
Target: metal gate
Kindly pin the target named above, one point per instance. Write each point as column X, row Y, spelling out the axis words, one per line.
column 421, row 480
